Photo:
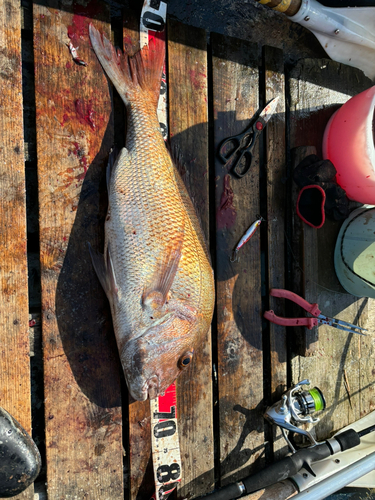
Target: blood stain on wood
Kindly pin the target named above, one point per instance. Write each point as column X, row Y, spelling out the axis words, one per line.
column 226, row 213
column 196, row 79
column 83, row 14
column 85, row 112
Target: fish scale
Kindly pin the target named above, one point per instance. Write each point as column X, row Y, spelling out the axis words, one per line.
column 155, row 269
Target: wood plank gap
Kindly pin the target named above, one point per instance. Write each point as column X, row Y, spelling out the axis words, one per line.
column 308, row 256
column 212, row 230
column 276, row 180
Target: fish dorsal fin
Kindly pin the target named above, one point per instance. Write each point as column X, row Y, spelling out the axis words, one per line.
column 142, row 72
column 155, row 295
column 104, row 272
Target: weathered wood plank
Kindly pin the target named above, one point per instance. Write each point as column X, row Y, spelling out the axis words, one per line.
column 131, row 40
column 278, row 491
column 188, row 123
column 273, row 61
column 141, row 474
column 74, row 135
column 14, row 320
column 305, row 244
column 342, row 363
column 239, row 341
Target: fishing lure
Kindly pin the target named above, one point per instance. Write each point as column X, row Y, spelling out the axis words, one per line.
column 245, row 238
column 73, row 52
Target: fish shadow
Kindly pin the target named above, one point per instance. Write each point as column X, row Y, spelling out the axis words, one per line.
column 82, row 309
column 244, row 457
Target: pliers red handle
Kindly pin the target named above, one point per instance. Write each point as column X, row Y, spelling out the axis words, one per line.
column 306, row 321
column 312, row 309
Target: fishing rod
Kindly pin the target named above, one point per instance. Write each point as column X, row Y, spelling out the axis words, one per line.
column 291, row 465
column 297, row 406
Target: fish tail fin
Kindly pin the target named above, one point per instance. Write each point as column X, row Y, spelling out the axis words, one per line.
column 140, row 74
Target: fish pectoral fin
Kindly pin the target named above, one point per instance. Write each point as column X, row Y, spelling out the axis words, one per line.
column 183, row 311
column 104, row 271
column 155, row 295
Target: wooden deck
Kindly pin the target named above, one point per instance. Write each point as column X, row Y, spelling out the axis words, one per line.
column 67, row 385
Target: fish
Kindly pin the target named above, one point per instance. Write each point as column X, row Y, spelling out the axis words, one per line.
column 155, row 269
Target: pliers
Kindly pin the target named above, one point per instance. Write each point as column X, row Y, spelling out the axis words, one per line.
column 313, row 309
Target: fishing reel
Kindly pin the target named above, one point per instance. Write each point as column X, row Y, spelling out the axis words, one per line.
column 296, row 407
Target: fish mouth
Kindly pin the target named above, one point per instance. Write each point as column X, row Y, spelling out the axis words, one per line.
column 152, row 387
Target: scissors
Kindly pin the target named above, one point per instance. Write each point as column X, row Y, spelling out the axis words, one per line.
column 235, row 148
column 313, row 309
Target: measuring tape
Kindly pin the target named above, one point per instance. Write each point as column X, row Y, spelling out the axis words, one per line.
column 166, row 457
column 153, row 19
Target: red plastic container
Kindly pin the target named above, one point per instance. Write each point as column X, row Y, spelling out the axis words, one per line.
column 349, row 143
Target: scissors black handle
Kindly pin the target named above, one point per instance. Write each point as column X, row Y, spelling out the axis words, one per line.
column 226, row 153
column 243, row 145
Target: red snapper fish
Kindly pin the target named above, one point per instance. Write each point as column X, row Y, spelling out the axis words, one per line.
column 155, row 269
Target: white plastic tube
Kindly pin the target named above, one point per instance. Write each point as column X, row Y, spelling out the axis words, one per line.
column 346, row 34
column 337, row 481
column 338, row 23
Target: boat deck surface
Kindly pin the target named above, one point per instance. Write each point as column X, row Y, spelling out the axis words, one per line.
column 60, row 376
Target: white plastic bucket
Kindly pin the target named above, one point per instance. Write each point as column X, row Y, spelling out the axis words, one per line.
column 355, row 253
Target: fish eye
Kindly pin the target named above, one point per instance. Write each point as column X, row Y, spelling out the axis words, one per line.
column 185, row 360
